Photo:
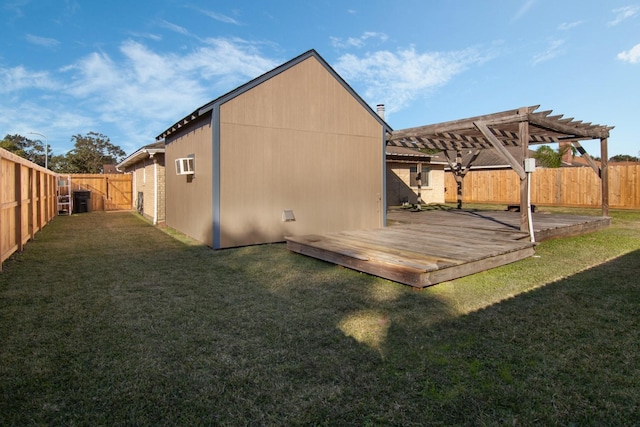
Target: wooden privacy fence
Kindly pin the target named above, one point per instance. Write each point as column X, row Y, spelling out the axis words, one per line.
column 108, row 191
column 579, row 186
column 27, row 200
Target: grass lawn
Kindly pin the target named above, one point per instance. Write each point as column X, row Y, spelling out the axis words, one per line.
column 107, row 320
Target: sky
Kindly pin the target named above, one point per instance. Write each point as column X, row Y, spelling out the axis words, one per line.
column 131, row 69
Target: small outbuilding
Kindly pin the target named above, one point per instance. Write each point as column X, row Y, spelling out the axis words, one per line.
column 146, row 165
column 294, row 151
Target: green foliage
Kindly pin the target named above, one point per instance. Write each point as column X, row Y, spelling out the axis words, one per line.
column 90, row 153
column 430, row 151
column 624, row 158
column 32, row 150
column 547, row 157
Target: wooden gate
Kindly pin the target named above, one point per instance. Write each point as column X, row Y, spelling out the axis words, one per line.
column 109, row 192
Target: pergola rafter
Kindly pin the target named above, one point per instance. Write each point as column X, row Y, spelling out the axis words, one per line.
column 508, row 128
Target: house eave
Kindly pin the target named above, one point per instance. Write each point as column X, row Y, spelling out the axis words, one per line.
column 138, row 156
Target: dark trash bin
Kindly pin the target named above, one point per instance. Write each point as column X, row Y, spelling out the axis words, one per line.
column 81, row 201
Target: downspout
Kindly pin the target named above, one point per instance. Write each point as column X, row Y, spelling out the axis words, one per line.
column 215, row 165
column 134, row 200
column 532, row 234
column 382, row 197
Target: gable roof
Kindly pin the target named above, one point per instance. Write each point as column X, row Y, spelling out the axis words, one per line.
column 487, row 159
column 261, row 79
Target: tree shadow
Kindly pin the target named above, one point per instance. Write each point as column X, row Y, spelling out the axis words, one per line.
column 154, row 330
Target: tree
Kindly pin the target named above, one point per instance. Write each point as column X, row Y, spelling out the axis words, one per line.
column 59, row 163
column 25, row 148
column 547, row 157
column 90, row 153
column 623, row 158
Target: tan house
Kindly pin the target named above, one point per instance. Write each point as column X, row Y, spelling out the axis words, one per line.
column 294, row 151
column 146, row 166
column 413, row 177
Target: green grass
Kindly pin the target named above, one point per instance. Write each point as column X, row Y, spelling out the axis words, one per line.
column 106, row 320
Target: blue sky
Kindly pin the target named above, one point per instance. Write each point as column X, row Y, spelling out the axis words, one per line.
column 131, row 69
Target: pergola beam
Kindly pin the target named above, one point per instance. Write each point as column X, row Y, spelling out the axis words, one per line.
column 517, row 167
column 508, row 128
column 567, row 127
column 587, row 157
column 510, row 116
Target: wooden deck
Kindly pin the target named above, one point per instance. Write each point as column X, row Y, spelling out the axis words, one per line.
column 425, row 248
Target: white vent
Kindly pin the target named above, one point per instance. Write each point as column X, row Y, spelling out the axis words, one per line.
column 184, row 166
column 287, row 215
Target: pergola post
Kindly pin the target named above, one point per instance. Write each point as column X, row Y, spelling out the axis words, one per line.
column 604, row 175
column 523, row 136
column 459, row 178
column 459, row 171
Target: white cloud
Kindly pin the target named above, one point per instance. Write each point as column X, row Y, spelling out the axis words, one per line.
column 554, row 49
column 42, row 41
column 623, row 13
column 569, row 25
column 631, row 56
column 16, row 7
column 148, row 91
column 219, row 17
column 523, row 10
column 136, row 92
column 150, row 36
column 237, row 59
column 397, row 78
column 51, row 119
column 19, row 78
column 175, row 28
column 357, row 42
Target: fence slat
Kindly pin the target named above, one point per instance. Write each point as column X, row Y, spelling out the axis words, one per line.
column 578, row 187
column 25, row 203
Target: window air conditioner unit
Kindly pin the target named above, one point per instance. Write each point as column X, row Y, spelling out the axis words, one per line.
column 184, row 166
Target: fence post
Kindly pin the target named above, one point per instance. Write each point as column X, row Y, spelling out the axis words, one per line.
column 2, row 196
column 18, row 213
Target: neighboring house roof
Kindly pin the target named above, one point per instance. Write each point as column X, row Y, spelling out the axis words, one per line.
column 110, row 169
column 143, row 153
column 258, row 80
column 488, row 158
column 581, row 161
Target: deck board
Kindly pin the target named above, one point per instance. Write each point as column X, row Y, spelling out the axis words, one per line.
column 425, row 248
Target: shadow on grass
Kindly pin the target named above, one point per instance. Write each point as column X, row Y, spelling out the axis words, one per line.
column 107, row 320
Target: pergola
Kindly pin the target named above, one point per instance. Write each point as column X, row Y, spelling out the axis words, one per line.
column 520, row 127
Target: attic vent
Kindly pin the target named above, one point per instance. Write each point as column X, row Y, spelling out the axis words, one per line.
column 184, row 166
column 287, row 215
